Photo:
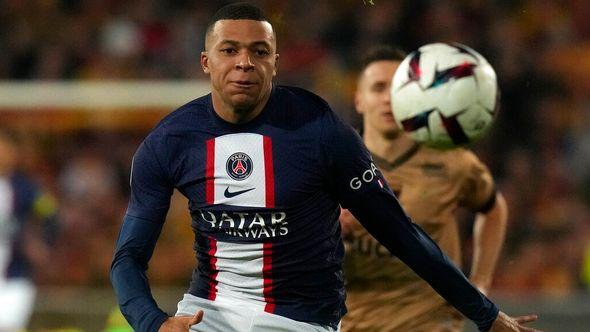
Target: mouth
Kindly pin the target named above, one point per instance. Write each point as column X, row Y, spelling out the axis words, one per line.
column 387, row 115
column 243, row 83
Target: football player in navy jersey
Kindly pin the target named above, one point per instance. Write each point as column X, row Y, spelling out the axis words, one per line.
column 27, row 228
column 265, row 169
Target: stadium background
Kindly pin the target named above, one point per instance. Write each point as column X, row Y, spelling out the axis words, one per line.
column 83, row 81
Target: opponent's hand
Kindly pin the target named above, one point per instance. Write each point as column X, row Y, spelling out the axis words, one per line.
column 506, row 323
column 181, row 323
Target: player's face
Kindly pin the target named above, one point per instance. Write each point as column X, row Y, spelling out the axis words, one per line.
column 372, row 98
column 241, row 59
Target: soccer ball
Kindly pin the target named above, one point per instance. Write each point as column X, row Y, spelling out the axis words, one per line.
column 444, row 95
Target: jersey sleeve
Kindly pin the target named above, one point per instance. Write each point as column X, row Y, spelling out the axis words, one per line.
column 479, row 191
column 360, row 187
column 149, row 202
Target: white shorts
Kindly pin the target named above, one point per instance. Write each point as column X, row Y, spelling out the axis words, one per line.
column 223, row 315
column 17, row 298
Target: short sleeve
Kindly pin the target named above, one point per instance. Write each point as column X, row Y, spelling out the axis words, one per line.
column 479, row 188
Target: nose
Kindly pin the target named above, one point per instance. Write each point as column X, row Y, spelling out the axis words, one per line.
column 244, row 62
column 387, row 96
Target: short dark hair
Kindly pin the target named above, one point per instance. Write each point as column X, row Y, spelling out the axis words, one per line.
column 380, row 53
column 236, row 11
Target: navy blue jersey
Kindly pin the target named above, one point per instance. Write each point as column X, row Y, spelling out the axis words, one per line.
column 264, row 199
column 21, row 202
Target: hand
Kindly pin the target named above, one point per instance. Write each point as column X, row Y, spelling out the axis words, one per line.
column 506, row 323
column 181, row 323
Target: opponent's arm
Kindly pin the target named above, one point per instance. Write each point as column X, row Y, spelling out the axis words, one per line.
column 489, row 231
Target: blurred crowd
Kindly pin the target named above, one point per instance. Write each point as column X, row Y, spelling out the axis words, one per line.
column 539, row 149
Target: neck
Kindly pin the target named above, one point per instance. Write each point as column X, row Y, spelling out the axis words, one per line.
column 387, row 146
column 236, row 114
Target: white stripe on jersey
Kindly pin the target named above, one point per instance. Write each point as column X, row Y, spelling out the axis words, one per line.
column 240, row 272
column 253, row 187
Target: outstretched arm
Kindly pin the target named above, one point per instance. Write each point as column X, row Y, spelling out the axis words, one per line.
column 360, row 187
column 488, row 237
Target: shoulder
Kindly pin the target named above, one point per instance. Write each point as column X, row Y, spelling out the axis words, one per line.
column 459, row 156
column 296, row 94
column 301, row 109
column 193, row 110
column 188, row 117
column 466, row 157
column 469, row 166
column 459, row 162
column 302, row 102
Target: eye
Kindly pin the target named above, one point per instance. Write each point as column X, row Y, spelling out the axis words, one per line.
column 228, row 50
column 262, row 52
column 378, row 87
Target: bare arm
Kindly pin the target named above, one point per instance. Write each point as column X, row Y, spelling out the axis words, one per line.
column 488, row 237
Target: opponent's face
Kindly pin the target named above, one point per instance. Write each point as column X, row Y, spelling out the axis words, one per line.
column 372, row 98
column 240, row 57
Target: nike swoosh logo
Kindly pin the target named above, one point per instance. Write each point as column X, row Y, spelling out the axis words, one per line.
column 229, row 194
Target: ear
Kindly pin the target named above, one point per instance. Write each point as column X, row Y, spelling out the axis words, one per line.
column 205, row 62
column 276, row 67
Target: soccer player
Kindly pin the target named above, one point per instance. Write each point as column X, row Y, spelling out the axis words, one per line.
column 25, row 213
column 265, row 168
column 430, row 184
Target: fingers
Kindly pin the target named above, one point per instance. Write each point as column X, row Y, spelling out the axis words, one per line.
column 526, row 319
column 506, row 323
column 197, row 318
column 528, row 329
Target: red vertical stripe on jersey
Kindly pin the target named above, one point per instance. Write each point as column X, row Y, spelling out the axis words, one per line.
column 210, row 172
column 269, row 175
column 214, row 271
column 267, row 275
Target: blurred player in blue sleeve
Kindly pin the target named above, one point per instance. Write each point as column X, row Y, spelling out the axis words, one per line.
column 265, row 169
column 27, row 224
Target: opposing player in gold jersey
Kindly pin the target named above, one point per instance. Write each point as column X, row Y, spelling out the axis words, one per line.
column 383, row 293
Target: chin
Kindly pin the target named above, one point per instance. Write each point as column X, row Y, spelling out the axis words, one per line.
column 244, row 106
column 392, row 132
column 243, row 100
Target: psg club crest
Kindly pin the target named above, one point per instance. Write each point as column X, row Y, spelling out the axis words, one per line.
column 239, row 166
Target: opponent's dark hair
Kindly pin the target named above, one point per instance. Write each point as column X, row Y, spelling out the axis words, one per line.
column 236, row 11
column 380, row 53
